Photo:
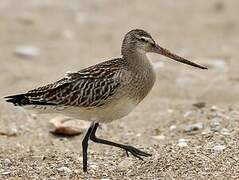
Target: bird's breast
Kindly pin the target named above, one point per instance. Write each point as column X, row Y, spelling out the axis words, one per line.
column 142, row 83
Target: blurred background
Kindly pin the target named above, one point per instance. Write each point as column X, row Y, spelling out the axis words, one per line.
column 42, row 39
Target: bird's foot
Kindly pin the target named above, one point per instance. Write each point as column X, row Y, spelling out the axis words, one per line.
column 136, row 152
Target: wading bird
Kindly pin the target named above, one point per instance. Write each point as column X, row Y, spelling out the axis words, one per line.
column 103, row 92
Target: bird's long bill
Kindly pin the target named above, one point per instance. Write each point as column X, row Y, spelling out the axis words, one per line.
column 167, row 53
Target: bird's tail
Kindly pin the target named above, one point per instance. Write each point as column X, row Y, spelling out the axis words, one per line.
column 18, row 100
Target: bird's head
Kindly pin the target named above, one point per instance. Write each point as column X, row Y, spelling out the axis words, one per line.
column 142, row 42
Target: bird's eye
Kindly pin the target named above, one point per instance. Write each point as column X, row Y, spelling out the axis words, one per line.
column 144, row 39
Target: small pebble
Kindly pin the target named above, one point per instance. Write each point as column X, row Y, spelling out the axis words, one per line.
column 193, row 127
column 27, row 51
column 93, row 166
column 13, row 131
column 172, row 127
column 138, row 135
column 77, row 171
column 159, row 137
column 66, row 126
column 182, row 143
column 6, row 172
column 188, row 113
column 216, row 120
column 9, row 132
column 64, row 169
column 182, row 140
column 215, row 125
column 225, row 131
column 199, row 105
column 7, row 161
column 207, row 131
column 218, row 147
column 214, row 108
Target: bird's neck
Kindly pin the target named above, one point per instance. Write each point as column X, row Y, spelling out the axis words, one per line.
column 136, row 59
column 143, row 74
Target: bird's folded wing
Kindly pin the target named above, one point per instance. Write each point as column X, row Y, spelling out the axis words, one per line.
column 90, row 87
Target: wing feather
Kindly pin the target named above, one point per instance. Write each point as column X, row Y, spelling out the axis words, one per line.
column 89, row 87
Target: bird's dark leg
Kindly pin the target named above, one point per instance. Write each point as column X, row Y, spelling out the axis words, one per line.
column 134, row 151
column 85, row 145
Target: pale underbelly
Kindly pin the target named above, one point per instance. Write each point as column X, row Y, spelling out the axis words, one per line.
column 105, row 113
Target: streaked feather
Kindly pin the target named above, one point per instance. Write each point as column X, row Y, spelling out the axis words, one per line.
column 90, row 87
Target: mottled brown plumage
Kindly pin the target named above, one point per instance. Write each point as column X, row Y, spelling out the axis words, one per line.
column 103, row 92
column 87, row 88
